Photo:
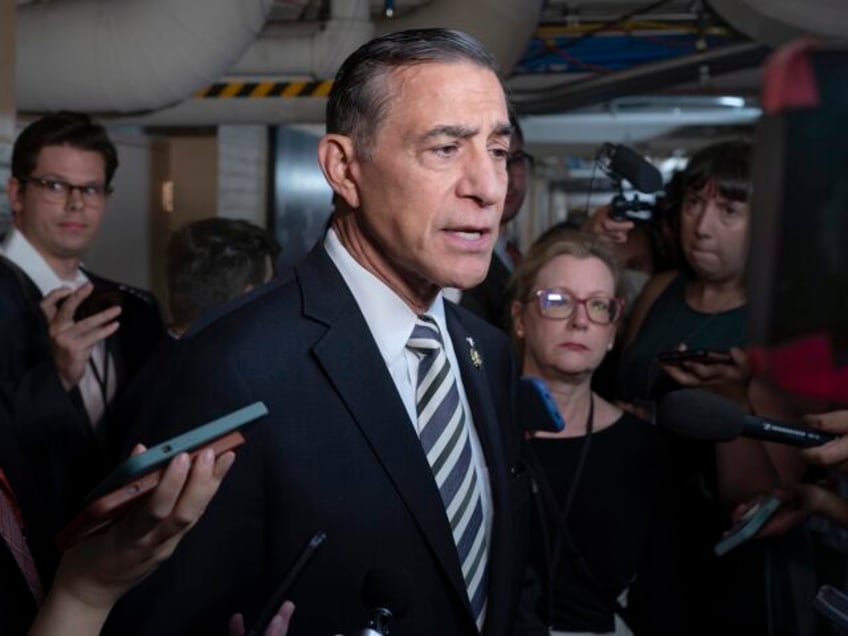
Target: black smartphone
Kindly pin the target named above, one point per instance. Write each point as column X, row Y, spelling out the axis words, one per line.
column 703, row 356
column 537, row 410
column 749, row 525
column 97, row 301
column 269, row 611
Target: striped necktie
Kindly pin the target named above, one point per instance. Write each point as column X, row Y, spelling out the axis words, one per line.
column 444, row 437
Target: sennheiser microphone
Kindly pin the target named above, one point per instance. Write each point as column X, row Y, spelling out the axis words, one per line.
column 386, row 594
column 702, row 415
column 625, row 162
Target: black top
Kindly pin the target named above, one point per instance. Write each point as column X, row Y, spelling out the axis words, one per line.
column 670, row 322
column 618, row 524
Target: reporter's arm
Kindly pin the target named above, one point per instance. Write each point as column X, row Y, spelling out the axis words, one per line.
column 95, row 573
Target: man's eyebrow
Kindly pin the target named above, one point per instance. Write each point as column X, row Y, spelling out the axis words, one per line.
column 464, row 132
column 449, row 130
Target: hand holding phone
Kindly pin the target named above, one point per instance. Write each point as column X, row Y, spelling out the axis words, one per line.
column 273, row 605
column 141, row 473
column 749, row 524
column 702, row 356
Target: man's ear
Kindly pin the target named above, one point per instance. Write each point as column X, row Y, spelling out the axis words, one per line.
column 15, row 193
column 336, row 157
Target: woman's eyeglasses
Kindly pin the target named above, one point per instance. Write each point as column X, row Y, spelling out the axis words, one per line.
column 560, row 304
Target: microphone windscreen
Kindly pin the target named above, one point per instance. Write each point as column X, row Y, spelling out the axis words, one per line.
column 628, row 163
column 702, row 415
column 389, row 589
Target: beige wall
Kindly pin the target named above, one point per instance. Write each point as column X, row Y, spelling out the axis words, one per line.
column 191, row 165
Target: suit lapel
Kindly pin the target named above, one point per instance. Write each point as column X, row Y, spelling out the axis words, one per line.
column 343, row 352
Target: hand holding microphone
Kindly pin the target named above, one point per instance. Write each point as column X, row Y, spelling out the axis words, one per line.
column 833, row 455
column 702, row 415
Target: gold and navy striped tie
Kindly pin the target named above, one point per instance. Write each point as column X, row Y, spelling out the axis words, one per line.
column 444, row 437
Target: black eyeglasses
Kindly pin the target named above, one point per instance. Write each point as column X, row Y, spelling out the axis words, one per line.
column 59, row 190
column 561, row 303
column 520, row 158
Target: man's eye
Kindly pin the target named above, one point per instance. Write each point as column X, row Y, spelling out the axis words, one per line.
column 57, row 187
column 92, row 191
column 501, row 154
column 446, row 151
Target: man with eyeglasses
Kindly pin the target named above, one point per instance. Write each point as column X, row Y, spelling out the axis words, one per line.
column 69, row 340
column 489, row 299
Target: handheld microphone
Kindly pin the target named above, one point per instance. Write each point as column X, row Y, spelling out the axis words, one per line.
column 623, row 161
column 537, row 410
column 386, row 594
column 702, row 415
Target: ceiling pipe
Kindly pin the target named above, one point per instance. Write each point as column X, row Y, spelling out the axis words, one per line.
column 318, row 55
column 505, row 30
column 505, row 27
column 639, row 80
column 134, row 55
column 777, row 22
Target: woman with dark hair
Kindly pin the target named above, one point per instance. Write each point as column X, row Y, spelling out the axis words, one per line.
column 601, row 534
column 703, row 305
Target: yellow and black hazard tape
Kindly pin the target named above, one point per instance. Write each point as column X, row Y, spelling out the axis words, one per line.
column 223, row 90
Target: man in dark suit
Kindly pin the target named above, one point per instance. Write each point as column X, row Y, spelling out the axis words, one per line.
column 490, row 299
column 58, row 369
column 416, row 149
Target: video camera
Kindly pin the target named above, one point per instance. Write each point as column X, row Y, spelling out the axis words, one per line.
column 621, row 162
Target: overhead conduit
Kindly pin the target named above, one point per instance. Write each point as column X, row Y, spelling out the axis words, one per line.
column 105, row 56
column 126, row 59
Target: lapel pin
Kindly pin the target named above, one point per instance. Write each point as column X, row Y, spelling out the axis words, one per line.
column 476, row 358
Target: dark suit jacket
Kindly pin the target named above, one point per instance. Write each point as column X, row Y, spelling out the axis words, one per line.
column 489, row 299
column 50, row 424
column 337, row 453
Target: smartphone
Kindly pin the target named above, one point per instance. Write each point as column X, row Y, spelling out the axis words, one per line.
column 97, row 301
column 703, row 356
column 279, row 595
column 833, row 604
column 105, row 510
column 537, row 410
column 749, row 525
column 141, row 473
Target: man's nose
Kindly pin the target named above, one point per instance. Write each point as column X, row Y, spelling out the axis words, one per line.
column 75, row 199
column 483, row 178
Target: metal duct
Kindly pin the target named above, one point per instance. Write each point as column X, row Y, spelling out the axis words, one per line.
column 318, row 55
column 504, row 26
column 133, row 55
column 776, row 22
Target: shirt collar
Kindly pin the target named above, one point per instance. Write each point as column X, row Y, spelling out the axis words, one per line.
column 389, row 318
column 20, row 251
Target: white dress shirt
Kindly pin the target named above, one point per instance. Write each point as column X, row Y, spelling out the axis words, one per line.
column 391, row 322
column 20, row 251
